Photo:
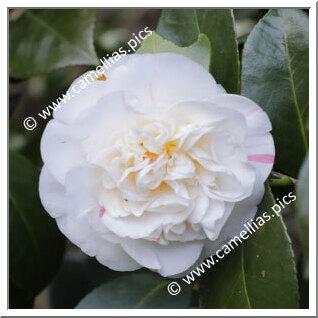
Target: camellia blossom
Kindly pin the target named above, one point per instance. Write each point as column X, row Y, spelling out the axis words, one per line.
column 155, row 165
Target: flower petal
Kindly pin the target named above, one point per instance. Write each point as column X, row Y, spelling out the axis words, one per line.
column 60, row 149
column 81, row 185
column 166, row 259
column 160, row 80
column 52, row 194
column 80, row 233
column 261, row 153
column 256, row 119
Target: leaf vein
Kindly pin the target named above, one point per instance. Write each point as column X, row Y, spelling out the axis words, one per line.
column 149, row 294
column 60, row 36
column 244, row 278
column 292, row 82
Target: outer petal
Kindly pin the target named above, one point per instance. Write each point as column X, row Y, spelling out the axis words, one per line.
column 142, row 251
column 166, row 259
column 256, row 119
column 81, row 99
column 259, row 143
column 176, row 257
column 52, row 194
column 80, row 233
column 81, row 187
column 215, row 218
column 85, row 91
column 242, row 213
column 114, row 257
column 261, row 153
column 60, row 149
column 159, row 80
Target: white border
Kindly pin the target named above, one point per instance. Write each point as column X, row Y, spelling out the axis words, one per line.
column 312, row 163
column 312, row 157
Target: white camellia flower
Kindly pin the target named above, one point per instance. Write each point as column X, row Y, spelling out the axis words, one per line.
column 156, row 166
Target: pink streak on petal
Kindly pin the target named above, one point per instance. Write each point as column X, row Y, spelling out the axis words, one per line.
column 101, row 211
column 252, row 112
column 158, row 239
column 263, row 158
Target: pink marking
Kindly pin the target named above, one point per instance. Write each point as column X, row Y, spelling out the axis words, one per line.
column 263, row 158
column 101, row 211
column 252, row 111
column 63, row 142
column 158, row 239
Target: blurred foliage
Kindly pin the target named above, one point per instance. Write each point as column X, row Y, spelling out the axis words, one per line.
column 78, row 275
column 44, row 40
column 36, row 244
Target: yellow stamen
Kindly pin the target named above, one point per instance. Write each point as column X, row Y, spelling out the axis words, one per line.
column 151, row 156
column 101, row 78
column 170, row 146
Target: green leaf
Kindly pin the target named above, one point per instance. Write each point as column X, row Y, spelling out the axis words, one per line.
column 302, row 210
column 275, row 76
column 199, row 51
column 79, row 274
column 183, row 27
column 45, row 40
column 144, row 290
column 259, row 273
column 36, row 244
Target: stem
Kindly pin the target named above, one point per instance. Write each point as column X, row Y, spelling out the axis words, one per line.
column 284, row 182
column 279, row 179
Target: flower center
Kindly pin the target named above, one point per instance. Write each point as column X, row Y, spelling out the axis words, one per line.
column 170, row 146
column 151, row 156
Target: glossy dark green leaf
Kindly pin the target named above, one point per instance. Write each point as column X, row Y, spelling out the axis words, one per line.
column 44, row 40
column 182, row 27
column 302, row 210
column 275, row 75
column 78, row 275
column 36, row 245
column 199, row 51
column 144, row 290
column 259, row 273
